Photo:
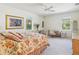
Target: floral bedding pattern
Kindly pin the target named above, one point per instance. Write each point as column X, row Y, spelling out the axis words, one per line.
column 21, row 46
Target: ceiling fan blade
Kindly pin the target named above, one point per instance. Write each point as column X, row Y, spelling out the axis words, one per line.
column 48, row 8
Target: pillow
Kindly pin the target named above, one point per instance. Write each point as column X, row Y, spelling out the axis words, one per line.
column 13, row 37
column 2, row 36
column 17, row 35
column 20, row 34
column 52, row 33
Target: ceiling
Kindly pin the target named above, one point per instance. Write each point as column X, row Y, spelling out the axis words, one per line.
column 45, row 8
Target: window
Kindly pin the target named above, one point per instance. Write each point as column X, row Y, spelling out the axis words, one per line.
column 66, row 24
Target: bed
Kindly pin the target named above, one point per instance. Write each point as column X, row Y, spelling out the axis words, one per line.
column 15, row 43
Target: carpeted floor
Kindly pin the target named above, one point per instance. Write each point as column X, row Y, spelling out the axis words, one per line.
column 59, row 46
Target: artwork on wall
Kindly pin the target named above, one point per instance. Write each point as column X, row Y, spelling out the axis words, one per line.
column 14, row 22
column 29, row 24
column 42, row 24
column 66, row 24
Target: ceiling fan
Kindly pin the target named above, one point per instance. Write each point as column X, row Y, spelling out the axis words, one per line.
column 46, row 7
column 49, row 8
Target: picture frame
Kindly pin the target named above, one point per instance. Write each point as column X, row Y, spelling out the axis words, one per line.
column 14, row 22
column 29, row 24
column 42, row 24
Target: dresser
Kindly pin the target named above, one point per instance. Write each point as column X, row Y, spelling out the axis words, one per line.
column 75, row 45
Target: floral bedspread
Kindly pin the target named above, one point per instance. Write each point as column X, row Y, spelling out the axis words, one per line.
column 19, row 45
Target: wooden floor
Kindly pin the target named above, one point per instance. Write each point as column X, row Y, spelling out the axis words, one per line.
column 75, row 44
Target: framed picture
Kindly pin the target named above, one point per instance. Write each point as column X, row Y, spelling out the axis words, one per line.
column 29, row 24
column 14, row 22
column 42, row 24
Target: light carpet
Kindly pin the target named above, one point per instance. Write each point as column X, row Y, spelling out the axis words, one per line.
column 59, row 46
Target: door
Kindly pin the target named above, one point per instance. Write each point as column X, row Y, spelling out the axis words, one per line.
column 75, row 27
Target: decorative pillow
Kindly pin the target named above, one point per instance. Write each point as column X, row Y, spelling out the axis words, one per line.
column 13, row 37
column 20, row 34
column 52, row 33
column 17, row 35
column 1, row 36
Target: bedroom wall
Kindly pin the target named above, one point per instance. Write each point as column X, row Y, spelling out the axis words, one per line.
column 6, row 10
column 54, row 22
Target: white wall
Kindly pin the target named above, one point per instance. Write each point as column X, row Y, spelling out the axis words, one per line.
column 54, row 22
column 6, row 10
